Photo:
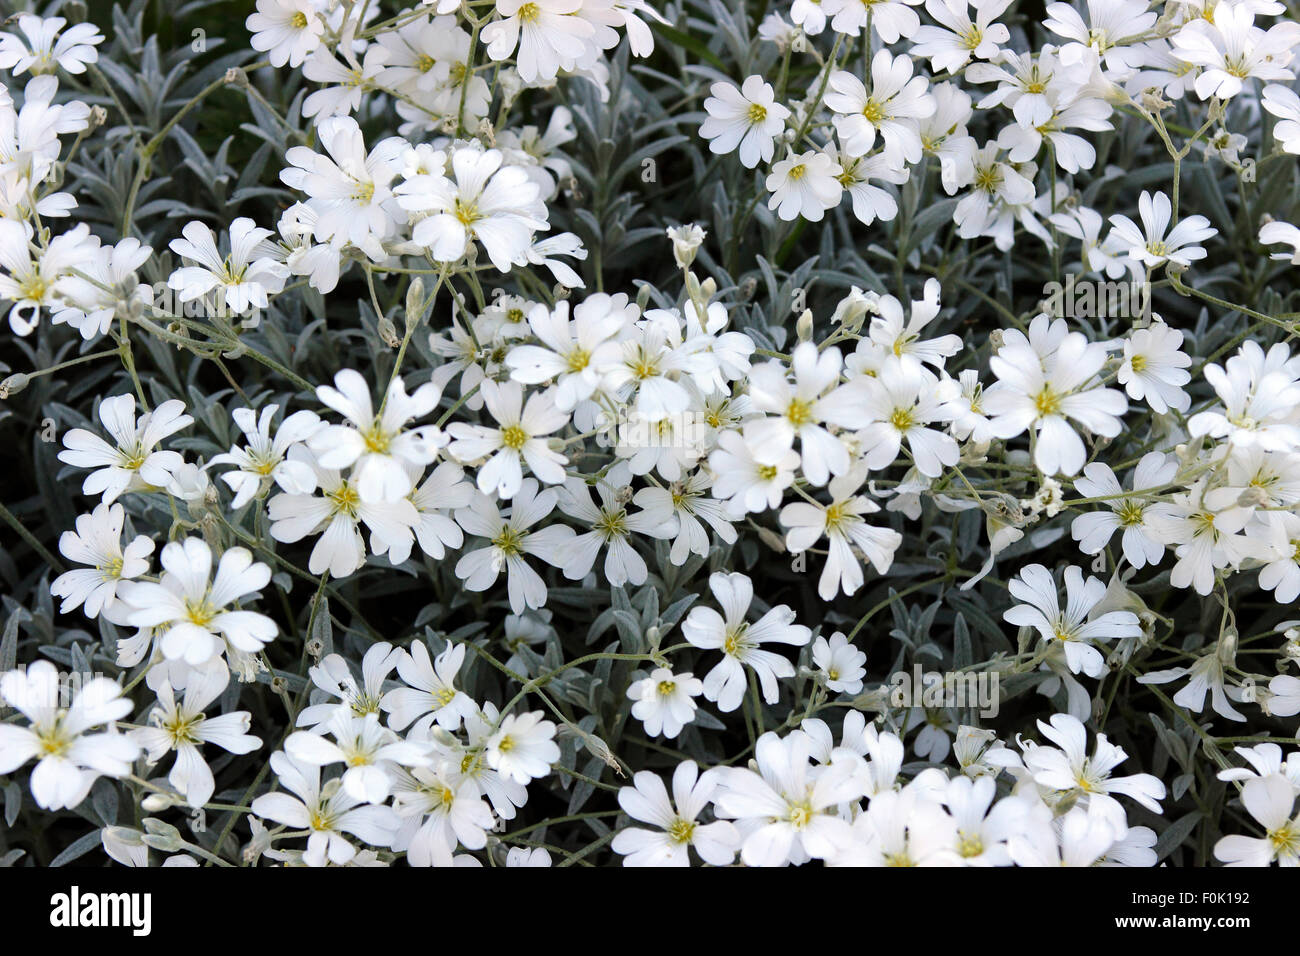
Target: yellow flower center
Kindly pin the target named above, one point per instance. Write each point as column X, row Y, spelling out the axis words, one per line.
column 377, row 441
column 799, row 413
column 969, row 844
column 345, row 500
column 200, row 613
column 578, row 359
column 681, row 831
column 467, row 213
column 514, row 437
column 1047, row 402
column 508, row 541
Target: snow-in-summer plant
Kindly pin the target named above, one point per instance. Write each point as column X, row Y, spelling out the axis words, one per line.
column 650, row 432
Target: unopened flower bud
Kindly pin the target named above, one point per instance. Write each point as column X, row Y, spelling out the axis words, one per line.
column 156, row 803
column 803, row 328
column 162, row 836
column 414, row 303
column 14, row 384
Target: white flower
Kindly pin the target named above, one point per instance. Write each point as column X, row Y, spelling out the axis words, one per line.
column 894, row 406
column 1078, row 838
column 49, row 46
column 1283, row 103
column 995, row 185
column 983, row 827
column 343, row 83
column 431, row 695
column 263, row 460
column 804, row 184
column 1155, row 368
column 749, row 476
column 870, row 202
column 686, row 240
column 841, row 664
column 1150, row 245
column 686, row 502
column 1258, row 392
column 950, row 46
column 184, row 727
column 1270, row 801
column 1205, row 539
column 797, row 410
column 612, row 527
column 548, row 35
column 369, row 752
column 748, row 118
column 527, row 857
column 195, row 610
column 509, row 540
column 1270, row 234
column 787, row 809
column 111, row 286
column 650, row 362
column 333, row 676
column 494, row 204
column 35, row 283
column 662, row 701
column 842, row 524
column 376, row 445
column 336, row 514
column 98, row 542
column 889, row 19
column 523, row 747
column 285, row 29
column 1070, row 625
column 328, row 812
column 1206, row 674
column 133, row 464
column 519, row 438
column 900, row 828
column 245, row 277
column 741, row 642
column 576, row 353
column 1112, row 27
column 1031, row 394
column 449, row 812
column 349, row 189
column 1281, row 574
column 893, row 107
column 1136, row 515
column 1077, row 109
column 676, row 820
column 1070, row 770
column 1232, row 49
column 442, row 492
column 68, row 760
